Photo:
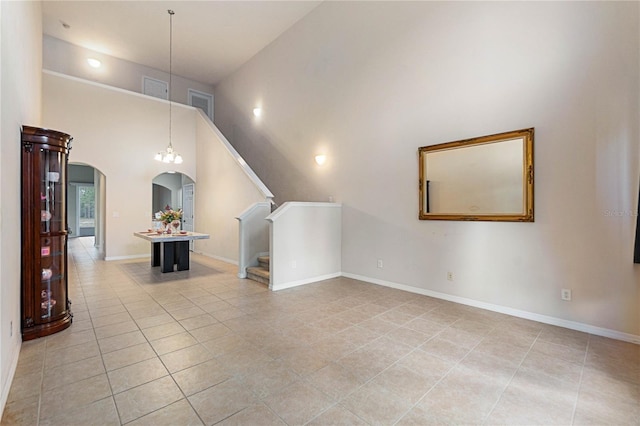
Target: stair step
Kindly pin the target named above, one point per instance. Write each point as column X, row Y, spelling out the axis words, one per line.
column 264, row 261
column 259, row 274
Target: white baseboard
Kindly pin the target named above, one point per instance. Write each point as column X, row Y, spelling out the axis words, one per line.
column 224, row 259
column 290, row 284
column 132, row 256
column 573, row 325
column 6, row 386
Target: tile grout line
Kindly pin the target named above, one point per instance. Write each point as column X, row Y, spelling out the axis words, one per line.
column 584, row 363
column 46, row 348
column 106, row 373
column 252, row 311
column 337, row 403
column 385, row 369
column 444, row 375
column 398, row 360
column 112, row 396
column 159, row 358
column 488, row 415
column 46, row 344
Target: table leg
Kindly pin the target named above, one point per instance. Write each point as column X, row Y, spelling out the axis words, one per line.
column 155, row 254
column 182, row 255
column 168, row 256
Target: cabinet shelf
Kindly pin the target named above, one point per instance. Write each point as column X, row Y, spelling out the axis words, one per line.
column 58, row 253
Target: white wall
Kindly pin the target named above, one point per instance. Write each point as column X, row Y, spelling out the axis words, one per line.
column 304, row 243
column 369, row 82
column 69, row 59
column 224, row 189
column 20, row 84
column 118, row 132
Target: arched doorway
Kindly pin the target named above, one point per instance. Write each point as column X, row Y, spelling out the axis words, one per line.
column 86, row 194
column 174, row 190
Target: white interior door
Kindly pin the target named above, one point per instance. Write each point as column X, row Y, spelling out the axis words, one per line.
column 187, row 209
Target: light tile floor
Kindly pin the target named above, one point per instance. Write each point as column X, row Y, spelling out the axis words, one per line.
column 204, row 347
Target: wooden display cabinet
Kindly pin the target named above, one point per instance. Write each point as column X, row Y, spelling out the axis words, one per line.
column 45, row 302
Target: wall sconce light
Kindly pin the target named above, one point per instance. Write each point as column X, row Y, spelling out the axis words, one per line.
column 257, row 111
column 94, row 63
column 321, row 159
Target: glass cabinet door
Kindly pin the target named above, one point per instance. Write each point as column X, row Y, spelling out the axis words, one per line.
column 51, row 295
column 52, row 192
column 51, row 299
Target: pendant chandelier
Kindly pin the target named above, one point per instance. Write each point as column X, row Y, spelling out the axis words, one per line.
column 169, row 155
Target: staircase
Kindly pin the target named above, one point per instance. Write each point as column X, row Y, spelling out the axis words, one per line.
column 261, row 272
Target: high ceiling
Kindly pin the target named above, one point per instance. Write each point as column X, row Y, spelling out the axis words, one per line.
column 211, row 39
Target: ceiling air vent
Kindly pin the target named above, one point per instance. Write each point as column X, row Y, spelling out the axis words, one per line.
column 202, row 100
column 155, row 88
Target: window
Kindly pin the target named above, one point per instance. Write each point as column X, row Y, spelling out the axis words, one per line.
column 86, row 206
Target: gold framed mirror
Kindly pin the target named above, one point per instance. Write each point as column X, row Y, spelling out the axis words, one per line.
column 485, row 178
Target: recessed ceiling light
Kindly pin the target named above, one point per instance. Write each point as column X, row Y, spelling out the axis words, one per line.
column 257, row 111
column 94, row 63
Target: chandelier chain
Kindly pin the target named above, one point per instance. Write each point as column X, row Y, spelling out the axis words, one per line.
column 170, row 155
column 171, row 13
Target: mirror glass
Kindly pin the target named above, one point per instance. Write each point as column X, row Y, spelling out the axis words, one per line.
column 485, row 178
column 168, row 191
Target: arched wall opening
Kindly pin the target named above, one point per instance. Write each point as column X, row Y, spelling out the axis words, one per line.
column 176, row 191
column 86, row 201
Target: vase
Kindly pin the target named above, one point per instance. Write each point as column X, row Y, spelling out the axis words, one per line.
column 176, row 225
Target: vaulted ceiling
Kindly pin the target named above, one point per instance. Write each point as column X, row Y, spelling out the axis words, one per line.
column 211, row 39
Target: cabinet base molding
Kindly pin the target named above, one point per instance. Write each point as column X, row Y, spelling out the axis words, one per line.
column 42, row 330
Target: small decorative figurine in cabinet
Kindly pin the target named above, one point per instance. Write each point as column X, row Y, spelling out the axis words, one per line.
column 45, row 302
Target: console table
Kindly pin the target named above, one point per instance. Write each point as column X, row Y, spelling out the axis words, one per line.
column 169, row 250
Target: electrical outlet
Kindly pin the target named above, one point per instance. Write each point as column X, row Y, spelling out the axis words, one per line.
column 450, row 276
column 380, row 264
column 565, row 294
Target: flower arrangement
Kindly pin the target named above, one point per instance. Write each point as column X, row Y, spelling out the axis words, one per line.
column 170, row 215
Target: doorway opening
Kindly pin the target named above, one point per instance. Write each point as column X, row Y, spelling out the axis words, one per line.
column 86, row 210
column 86, row 194
column 175, row 191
